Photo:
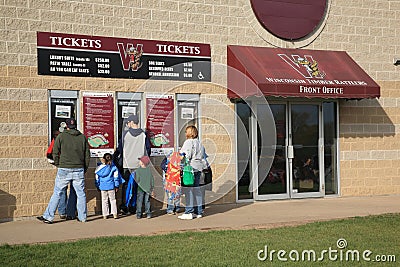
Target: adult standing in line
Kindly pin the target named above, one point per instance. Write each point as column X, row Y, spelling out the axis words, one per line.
column 67, row 206
column 133, row 145
column 194, row 151
column 71, row 155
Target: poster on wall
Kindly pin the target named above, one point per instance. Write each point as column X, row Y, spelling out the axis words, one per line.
column 187, row 113
column 62, row 54
column 63, row 111
column 127, row 111
column 98, row 122
column 160, row 123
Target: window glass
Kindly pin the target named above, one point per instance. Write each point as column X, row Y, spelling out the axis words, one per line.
column 63, row 105
column 187, row 115
column 243, row 113
column 330, row 147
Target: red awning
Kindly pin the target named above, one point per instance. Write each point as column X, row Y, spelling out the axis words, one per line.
column 296, row 73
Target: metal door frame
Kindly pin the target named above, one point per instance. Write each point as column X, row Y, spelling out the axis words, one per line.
column 321, row 191
column 289, row 148
column 256, row 195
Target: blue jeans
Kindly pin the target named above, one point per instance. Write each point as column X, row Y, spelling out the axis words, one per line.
column 193, row 196
column 64, row 177
column 67, row 205
column 173, row 205
column 139, row 203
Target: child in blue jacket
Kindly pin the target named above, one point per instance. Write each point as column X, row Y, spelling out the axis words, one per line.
column 108, row 180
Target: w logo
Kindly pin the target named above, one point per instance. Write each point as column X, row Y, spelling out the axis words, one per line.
column 131, row 56
column 306, row 66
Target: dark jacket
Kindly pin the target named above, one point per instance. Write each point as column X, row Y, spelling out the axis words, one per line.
column 71, row 150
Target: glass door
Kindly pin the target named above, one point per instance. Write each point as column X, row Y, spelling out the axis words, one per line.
column 287, row 149
column 288, row 160
column 271, row 152
column 305, row 145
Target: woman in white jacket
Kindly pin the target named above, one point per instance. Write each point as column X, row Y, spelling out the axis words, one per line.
column 194, row 151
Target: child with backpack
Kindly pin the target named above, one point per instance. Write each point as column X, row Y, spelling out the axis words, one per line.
column 108, row 180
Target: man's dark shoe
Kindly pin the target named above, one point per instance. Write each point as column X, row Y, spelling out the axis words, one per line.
column 63, row 216
column 132, row 210
column 69, row 218
column 41, row 218
column 123, row 209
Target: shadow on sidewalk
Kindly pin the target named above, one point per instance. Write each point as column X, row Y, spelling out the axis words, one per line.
column 222, row 208
column 8, row 206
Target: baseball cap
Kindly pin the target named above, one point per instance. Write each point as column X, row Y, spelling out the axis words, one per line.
column 133, row 118
column 145, row 160
column 71, row 123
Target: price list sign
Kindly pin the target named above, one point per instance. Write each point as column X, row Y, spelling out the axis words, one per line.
column 98, row 122
column 96, row 56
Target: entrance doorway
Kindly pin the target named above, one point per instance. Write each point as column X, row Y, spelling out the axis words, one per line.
column 300, row 162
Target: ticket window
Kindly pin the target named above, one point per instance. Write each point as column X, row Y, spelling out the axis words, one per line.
column 187, row 114
column 62, row 105
column 128, row 104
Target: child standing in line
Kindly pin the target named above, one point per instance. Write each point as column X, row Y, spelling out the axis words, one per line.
column 145, row 180
column 108, row 180
column 172, row 182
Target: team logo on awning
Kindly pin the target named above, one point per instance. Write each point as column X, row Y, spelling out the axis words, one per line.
column 306, row 66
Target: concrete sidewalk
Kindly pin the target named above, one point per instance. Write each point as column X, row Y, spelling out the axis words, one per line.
column 266, row 214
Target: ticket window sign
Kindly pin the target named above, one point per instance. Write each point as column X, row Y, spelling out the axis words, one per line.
column 62, row 106
column 98, row 122
column 160, row 124
column 127, row 104
column 187, row 114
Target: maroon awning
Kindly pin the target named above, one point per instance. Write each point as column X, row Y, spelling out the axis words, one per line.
column 296, row 73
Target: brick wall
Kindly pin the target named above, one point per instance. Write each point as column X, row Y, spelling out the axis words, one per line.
column 366, row 29
column 370, row 144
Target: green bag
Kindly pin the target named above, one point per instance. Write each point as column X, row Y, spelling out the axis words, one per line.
column 188, row 175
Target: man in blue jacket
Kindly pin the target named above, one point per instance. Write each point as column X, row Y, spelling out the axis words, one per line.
column 71, row 155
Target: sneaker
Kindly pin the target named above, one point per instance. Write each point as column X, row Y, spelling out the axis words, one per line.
column 115, row 216
column 170, row 213
column 105, row 217
column 63, row 216
column 199, row 216
column 186, row 216
column 41, row 218
column 148, row 216
column 123, row 210
column 138, row 217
